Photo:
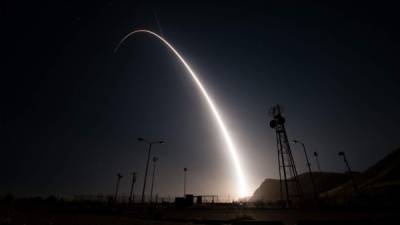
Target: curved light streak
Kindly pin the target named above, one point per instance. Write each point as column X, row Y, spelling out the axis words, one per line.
column 243, row 192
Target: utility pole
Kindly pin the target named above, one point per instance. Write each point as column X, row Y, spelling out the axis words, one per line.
column 131, row 195
column 184, row 181
column 152, row 178
column 349, row 170
column 119, row 176
column 150, row 143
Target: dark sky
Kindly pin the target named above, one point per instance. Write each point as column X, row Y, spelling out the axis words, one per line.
column 71, row 110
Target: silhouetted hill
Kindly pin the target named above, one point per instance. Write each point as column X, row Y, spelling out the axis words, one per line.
column 377, row 186
column 269, row 190
column 379, row 183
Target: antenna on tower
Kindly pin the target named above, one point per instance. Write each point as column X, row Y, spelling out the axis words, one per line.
column 288, row 177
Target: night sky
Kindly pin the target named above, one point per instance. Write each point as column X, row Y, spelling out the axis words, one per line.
column 71, row 109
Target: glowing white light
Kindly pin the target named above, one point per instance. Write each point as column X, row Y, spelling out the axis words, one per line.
column 231, row 147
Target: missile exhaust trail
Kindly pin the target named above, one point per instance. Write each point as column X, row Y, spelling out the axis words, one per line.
column 230, row 145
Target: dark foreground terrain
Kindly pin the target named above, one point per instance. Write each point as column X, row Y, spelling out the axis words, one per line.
column 211, row 214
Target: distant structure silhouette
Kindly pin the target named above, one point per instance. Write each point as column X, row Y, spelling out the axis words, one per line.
column 119, row 176
column 155, row 159
column 131, row 195
column 343, row 154
column 150, row 143
column 287, row 169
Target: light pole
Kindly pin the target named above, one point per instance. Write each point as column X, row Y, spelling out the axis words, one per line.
column 308, row 165
column 152, row 178
column 349, row 170
column 184, row 181
column 131, row 195
column 119, row 176
column 150, row 143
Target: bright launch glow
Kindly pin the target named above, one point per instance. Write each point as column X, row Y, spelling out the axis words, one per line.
column 243, row 192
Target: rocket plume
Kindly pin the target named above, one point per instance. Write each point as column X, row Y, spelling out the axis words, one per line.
column 242, row 188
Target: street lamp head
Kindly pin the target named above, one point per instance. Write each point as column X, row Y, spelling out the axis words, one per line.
column 140, row 139
column 341, row 153
column 161, row 142
column 315, row 154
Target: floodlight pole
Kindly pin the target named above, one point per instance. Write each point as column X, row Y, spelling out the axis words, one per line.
column 147, row 163
column 119, row 176
column 343, row 154
column 152, row 178
column 184, row 181
column 145, row 173
column 131, row 195
column 320, row 172
column 309, row 167
column 317, row 161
